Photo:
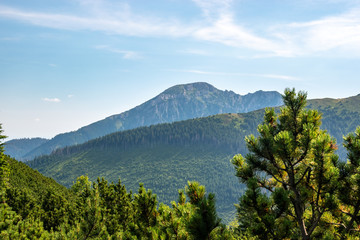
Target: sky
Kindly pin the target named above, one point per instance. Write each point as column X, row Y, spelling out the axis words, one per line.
column 67, row 63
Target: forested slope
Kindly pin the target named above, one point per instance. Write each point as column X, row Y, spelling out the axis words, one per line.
column 164, row 157
column 25, row 179
column 339, row 117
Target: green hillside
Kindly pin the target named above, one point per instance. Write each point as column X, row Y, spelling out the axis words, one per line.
column 339, row 117
column 166, row 156
column 25, row 179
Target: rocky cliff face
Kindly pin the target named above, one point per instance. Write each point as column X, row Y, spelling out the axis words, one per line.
column 174, row 104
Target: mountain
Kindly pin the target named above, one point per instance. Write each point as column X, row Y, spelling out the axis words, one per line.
column 166, row 156
column 17, row 148
column 174, row 104
column 163, row 156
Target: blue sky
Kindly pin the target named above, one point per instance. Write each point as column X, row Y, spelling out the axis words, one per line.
column 67, row 63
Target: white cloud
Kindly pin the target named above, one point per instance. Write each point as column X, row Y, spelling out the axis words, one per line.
column 70, row 95
column 225, row 31
column 218, row 24
column 114, row 21
column 55, row 100
column 276, row 76
column 272, row 76
column 220, row 27
column 340, row 33
column 52, row 65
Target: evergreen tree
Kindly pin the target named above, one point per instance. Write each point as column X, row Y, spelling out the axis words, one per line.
column 291, row 172
column 118, row 209
column 145, row 203
column 205, row 218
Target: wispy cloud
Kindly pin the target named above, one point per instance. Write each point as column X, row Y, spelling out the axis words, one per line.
column 276, row 76
column 54, row 100
column 272, row 76
column 52, row 65
column 218, row 24
column 117, row 21
column 225, row 31
column 332, row 32
column 125, row 53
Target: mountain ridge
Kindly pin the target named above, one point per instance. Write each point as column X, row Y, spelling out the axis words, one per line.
column 17, row 148
column 180, row 102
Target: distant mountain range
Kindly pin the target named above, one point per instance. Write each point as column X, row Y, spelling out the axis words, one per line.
column 177, row 103
column 18, row 148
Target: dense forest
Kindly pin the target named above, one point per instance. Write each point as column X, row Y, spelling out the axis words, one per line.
column 297, row 188
column 164, row 157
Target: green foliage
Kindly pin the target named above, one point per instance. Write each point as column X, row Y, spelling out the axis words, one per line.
column 205, row 219
column 55, row 208
column 163, row 157
column 339, row 117
column 294, row 162
column 26, row 179
column 4, row 165
column 349, row 190
column 195, row 192
column 102, row 210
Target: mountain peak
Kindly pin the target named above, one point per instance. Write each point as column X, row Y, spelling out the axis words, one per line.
column 190, row 87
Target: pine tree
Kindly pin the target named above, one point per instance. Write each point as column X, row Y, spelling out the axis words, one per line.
column 205, row 218
column 291, row 172
column 116, row 202
column 145, row 213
